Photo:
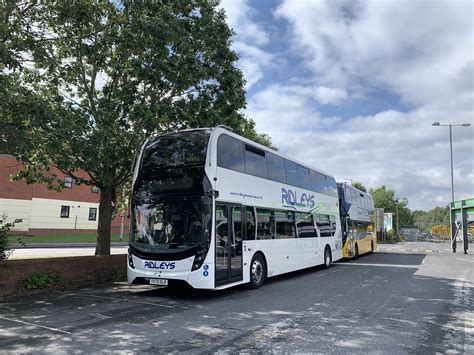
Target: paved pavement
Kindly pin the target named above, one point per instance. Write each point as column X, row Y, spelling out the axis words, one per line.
column 48, row 250
column 393, row 301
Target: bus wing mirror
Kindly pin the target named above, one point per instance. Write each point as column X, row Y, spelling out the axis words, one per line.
column 205, row 204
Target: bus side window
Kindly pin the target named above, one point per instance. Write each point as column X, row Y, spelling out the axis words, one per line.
column 285, row 225
column 276, row 168
column 305, row 225
column 250, row 223
column 324, row 225
column 230, row 153
column 264, row 230
column 291, row 173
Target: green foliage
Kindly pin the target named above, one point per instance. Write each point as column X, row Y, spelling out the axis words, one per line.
column 424, row 220
column 41, row 280
column 359, row 185
column 107, row 75
column 6, row 237
column 118, row 276
column 392, row 238
column 385, row 199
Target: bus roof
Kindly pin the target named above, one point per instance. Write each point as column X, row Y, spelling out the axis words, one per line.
column 221, row 130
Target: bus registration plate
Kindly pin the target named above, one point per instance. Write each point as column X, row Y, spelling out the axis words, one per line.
column 161, row 282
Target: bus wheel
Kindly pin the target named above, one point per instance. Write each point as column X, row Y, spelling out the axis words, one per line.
column 356, row 252
column 371, row 246
column 258, row 271
column 327, row 258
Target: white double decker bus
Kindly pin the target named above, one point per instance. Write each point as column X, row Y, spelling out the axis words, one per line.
column 215, row 210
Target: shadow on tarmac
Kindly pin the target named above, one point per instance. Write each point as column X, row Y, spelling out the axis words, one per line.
column 343, row 309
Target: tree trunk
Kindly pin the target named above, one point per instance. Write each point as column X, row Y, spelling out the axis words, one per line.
column 106, row 209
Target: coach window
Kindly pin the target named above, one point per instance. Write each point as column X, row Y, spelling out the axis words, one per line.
column 304, row 178
column 285, row 225
column 65, row 211
column 324, row 225
column 250, row 223
column 331, row 186
column 354, row 196
column 230, row 153
column 276, row 168
column 317, row 181
column 305, row 225
column 264, row 229
column 291, row 173
column 255, row 162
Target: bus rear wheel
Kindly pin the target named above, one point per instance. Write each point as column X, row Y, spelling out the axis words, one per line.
column 327, row 258
column 356, row 252
column 258, row 270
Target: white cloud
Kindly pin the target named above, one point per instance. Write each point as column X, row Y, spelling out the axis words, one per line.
column 400, row 150
column 325, row 95
column 422, row 50
column 252, row 61
column 250, row 37
column 240, row 18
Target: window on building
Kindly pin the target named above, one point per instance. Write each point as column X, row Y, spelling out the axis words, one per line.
column 285, row 224
column 92, row 214
column 95, row 189
column 264, row 224
column 65, row 211
column 68, row 182
column 305, row 225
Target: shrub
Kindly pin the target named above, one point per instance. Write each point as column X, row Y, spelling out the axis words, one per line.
column 392, row 238
column 41, row 280
column 5, row 244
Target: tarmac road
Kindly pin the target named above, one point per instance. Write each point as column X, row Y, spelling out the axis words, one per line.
column 393, row 301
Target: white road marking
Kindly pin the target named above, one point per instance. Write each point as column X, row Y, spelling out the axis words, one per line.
column 381, row 265
column 471, row 261
column 35, row 325
column 121, row 299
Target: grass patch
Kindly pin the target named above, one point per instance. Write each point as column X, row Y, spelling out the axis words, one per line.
column 66, row 238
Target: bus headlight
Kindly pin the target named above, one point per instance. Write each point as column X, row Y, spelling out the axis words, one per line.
column 199, row 258
column 130, row 260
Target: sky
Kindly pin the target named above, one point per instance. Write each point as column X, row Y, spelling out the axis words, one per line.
column 353, row 87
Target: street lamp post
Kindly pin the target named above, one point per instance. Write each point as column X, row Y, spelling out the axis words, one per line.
column 437, row 124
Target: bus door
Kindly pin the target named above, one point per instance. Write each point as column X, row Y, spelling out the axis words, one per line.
column 228, row 244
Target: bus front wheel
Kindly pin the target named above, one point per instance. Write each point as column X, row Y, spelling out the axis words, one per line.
column 327, row 258
column 356, row 252
column 258, row 271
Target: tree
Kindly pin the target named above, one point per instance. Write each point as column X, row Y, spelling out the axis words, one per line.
column 385, row 199
column 424, row 220
column 359, row 185
column 106, row 75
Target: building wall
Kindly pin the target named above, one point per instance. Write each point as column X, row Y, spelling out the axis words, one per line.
column 40, row 208
column 47, row 212
column 17, row 209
